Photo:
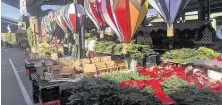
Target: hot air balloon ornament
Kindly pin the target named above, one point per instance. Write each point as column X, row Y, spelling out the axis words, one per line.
column 75, row 16
column 52, row 17
column 48, row 25
column 93, row 9
column 65, row 16
column 124, row 17
column 60, row 21
column 169, row 9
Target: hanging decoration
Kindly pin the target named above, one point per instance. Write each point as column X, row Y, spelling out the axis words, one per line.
column 81, row 16
column 169, row 9
column 76, row 17
column 124, row 17
column 60, row 21
column 93, row 10
column 65, row 17
column 48, row 25
column 52, row 17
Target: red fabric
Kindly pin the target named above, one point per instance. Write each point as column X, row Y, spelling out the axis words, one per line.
column 73, row 21
column 56, row 102
column 99, row 7
column 91, row 54
column 217, row 58
column 94, row 11
column 121, row 12
column 200, row 79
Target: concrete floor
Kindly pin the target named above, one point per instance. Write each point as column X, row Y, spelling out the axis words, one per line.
column 11, row 92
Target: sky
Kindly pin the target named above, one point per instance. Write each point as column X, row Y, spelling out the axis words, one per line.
column 14, row 13
column 9, row 11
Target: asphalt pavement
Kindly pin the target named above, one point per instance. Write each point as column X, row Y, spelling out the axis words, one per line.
column 16, row 89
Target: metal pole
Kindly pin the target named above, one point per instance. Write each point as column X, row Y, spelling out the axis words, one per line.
column 201, row 10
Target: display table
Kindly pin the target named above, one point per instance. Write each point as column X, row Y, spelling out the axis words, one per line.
column 45, row 92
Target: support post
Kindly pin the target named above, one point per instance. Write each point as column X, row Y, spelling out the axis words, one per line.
column 201, row 10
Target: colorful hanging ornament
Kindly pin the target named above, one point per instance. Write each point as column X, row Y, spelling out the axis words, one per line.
column 76, row 17
column 60, row 21
column 124, row 17
column 65, row 17
column 72, row 19
column 93, row 10
column 169, row 9
column 52, row 17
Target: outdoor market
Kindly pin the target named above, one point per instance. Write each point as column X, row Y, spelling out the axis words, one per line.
column 113, row 52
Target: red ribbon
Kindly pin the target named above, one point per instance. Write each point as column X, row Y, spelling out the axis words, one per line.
column 158, row 73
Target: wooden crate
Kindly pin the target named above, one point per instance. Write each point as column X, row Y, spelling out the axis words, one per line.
column 85, row 61
column 95, row 60
column 106, row 58
column 67, row 72
column 89, row 69
column 112, row 66
column 64, row 63
column 102, row 68
column 121, row 65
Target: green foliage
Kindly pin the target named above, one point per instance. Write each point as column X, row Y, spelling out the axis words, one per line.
column 31, row 38
column 117, row 77
column 118, row 49
column 10, row 38
column 207, row 52
column 104, row 47
column 187, row 94
column 100, row 91
column 135, row 51
column 186, row 55
column 105, row 90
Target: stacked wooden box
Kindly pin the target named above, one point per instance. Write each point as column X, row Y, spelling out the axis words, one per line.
column 90, row 67
column 46, row 69
column 99, row 65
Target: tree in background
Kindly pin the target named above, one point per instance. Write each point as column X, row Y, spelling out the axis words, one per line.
column 10, row 38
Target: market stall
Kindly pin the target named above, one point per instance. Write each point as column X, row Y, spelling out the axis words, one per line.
column 122, row 48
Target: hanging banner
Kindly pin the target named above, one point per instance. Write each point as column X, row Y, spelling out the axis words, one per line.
column 23, row 9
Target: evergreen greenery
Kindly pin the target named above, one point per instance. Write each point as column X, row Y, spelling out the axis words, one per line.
column 105, row 90
column 135, row 51
column 185, row 55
